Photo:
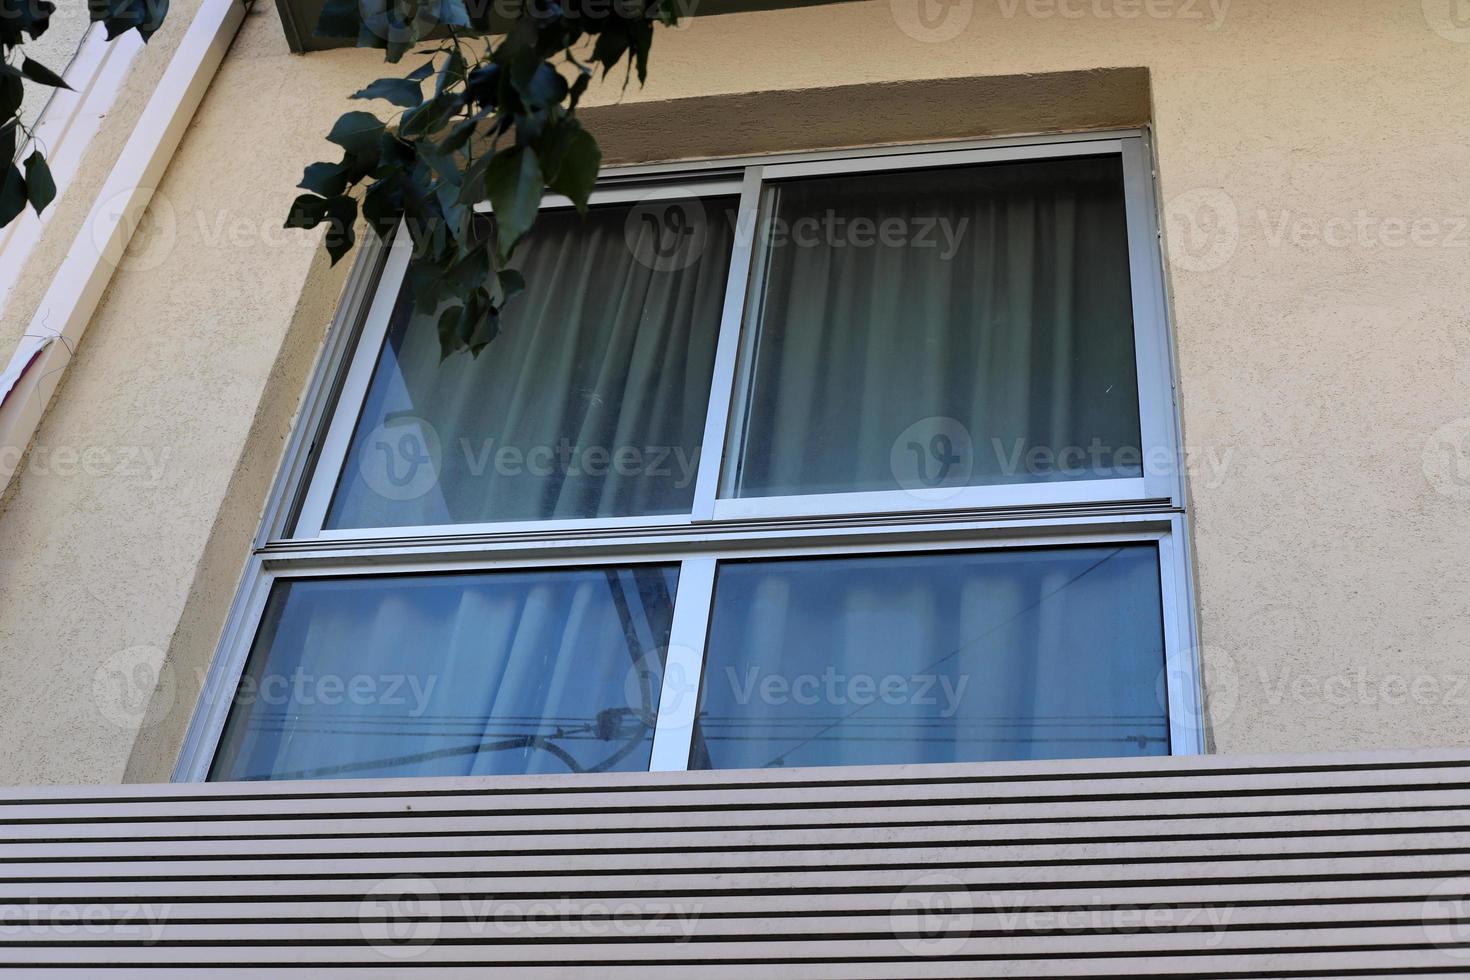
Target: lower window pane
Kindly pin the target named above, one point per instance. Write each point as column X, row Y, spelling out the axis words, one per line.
column 496, row 673
column 954, row 657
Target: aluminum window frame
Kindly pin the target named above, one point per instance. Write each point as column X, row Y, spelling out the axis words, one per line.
column 292, row 543
column 323, row 479
column 698, row 556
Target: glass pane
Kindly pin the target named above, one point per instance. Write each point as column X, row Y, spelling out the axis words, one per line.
column 945, row 328
column 591, row 401
column 498, row 673
column 1034, row 654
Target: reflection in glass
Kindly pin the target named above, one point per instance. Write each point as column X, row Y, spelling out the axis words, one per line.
column 591, row 401
column 944, row 328
column 448, row 675
column 955, row 657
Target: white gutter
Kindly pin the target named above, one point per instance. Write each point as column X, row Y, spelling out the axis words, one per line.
column 39, row 363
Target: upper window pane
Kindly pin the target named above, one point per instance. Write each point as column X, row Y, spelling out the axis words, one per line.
column 954, row 327
column 1054, row 653
column 591, row 402
column 500, row 673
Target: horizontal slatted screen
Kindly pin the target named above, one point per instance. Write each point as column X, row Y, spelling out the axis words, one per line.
column 1302, row 866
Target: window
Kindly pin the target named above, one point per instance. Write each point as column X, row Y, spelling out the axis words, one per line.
column 993, row 294
column 850, row 459
column 949, row 657
column 480, row 673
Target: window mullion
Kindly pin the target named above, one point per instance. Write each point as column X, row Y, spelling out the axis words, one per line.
column 722, row 381
column 679, row 699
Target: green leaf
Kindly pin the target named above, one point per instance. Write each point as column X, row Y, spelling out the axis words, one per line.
column 429, row 117
column 40, row 187
column 448, row 324
column 459, row 135
column 453, row 13
column 341, row 214
column 514, row 185
column 157, row 11
column 481, row 323
column 395, row 152
column 12, row 93
column 545, row 87
column 417, row 170
column 399, row 91
column 326, row 179
column 42, row 75
column 7, row 141
column 472, row 190
column 482, row 86
column 443, row 164
column 577, row 158
column 12, row 194
column 510, row 282
column 450, row 74
column 382, row 208
column 357, row 132
column 28, row 18
column 121, row 16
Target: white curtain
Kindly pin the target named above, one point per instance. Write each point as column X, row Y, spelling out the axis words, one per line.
column 500, row 673
column 997, row 296
column 1026, row 654
column 608, row 350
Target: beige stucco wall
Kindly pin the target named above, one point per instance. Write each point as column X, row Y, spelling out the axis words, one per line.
column 54, row 49
column 1330, row 506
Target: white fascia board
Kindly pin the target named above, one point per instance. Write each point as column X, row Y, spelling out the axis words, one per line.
column 65, row 128
column 38, row 365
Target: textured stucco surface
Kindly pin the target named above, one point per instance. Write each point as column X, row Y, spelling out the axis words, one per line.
column 1330, row 522
column 54, row 49
column 66, row 215
column 100, row 558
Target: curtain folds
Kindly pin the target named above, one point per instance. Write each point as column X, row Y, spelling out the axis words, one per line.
column 451, row 675
column 997, row 296
column 609, row 351
column 1034, row 654
column 981, row 315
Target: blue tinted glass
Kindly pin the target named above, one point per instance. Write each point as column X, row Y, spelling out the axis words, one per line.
column 955, row 657
column 448, row 675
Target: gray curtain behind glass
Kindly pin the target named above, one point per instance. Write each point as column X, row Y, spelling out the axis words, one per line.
column 607, row 350
column 995, row 295
column 453, row 675
column 1051, row 653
